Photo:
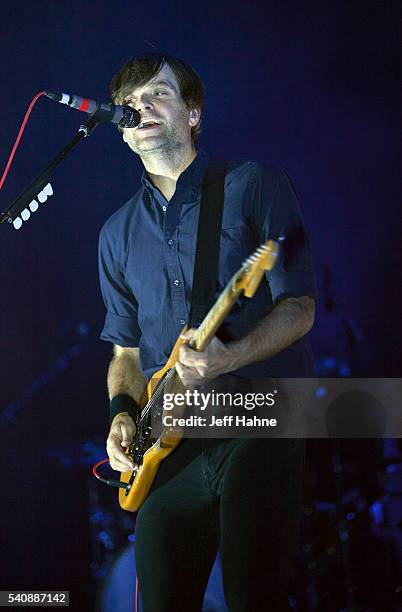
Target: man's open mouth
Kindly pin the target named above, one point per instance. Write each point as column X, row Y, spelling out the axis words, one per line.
column 148, row 124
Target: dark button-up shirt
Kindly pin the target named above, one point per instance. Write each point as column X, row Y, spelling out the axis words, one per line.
column 146, row 260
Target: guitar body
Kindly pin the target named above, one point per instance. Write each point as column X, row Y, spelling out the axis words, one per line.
column 133, row 499
column 153, row 442
column 142, row 479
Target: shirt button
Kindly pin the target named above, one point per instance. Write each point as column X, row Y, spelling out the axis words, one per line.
column 170, row 242
column 182, row 322
column 164, row 208
column 176, row 282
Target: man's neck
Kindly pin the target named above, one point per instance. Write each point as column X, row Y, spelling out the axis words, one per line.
column 164, row 171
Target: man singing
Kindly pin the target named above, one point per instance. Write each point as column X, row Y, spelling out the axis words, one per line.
column 239, row 495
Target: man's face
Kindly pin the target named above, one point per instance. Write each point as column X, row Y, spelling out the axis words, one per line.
column 165, row 121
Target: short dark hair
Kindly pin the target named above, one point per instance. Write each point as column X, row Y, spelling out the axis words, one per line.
column 139, row 70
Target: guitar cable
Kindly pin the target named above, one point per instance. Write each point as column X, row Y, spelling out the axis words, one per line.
column 113, row 483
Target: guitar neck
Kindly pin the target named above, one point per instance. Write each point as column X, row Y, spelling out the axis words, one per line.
column 215, row 316
column 247, row 279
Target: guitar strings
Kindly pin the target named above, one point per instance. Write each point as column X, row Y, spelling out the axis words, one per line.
column 156, row 395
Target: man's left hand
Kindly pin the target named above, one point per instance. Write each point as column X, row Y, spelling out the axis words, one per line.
column 196, row 367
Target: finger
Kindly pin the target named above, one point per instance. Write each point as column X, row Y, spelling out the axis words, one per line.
column 186, row 356
column 123, row 430
column 116, row 453
column 184, row 371
column 127, row 434
column 202, row 370
column 196, row 362
column 120, row 420
column 120, row 466
column 191, row 358
column 188, row 376
column 188, row 334
column 117, row 457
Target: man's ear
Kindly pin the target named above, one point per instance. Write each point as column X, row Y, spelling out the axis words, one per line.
column 195, row 116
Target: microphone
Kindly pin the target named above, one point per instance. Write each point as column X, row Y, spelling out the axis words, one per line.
column 123, row 116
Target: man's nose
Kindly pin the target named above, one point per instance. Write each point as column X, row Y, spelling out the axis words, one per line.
column 143, row 103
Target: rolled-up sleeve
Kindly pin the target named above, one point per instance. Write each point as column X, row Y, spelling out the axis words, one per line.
column 277, row 215
column 121, row 322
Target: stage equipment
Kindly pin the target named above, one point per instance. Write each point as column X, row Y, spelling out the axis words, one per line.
column 40, row 188
column 123, row 116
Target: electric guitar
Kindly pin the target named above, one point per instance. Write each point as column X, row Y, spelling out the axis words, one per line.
column 150, row 448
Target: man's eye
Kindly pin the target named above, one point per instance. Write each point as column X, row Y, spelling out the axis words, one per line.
column 158, row 92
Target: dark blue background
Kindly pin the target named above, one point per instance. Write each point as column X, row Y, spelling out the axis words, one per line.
column 311, row 86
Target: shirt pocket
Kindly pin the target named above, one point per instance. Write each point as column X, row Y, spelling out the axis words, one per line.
column 236, row 245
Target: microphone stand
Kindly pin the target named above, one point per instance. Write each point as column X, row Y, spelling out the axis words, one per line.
column 12, row 213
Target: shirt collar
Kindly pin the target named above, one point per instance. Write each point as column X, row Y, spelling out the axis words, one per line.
column 189, row 182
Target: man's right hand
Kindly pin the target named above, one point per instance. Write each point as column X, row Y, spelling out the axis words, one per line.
column 120, row 436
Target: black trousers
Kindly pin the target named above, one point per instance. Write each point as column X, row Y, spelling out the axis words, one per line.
column 241, row 495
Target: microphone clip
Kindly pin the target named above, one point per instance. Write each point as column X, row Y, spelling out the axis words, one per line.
column 88, row 127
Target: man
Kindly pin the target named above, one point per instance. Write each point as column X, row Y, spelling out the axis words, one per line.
column 240, row 495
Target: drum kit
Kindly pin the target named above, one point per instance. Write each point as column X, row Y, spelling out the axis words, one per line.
column 350, row 557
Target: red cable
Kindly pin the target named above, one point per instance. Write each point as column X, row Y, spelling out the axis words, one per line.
column 10, row 159
column 95, row 467
column 136, row 595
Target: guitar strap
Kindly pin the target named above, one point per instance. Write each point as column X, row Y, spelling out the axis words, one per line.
column 208, row 241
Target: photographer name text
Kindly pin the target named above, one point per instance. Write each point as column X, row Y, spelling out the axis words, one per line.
column 226, row 421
